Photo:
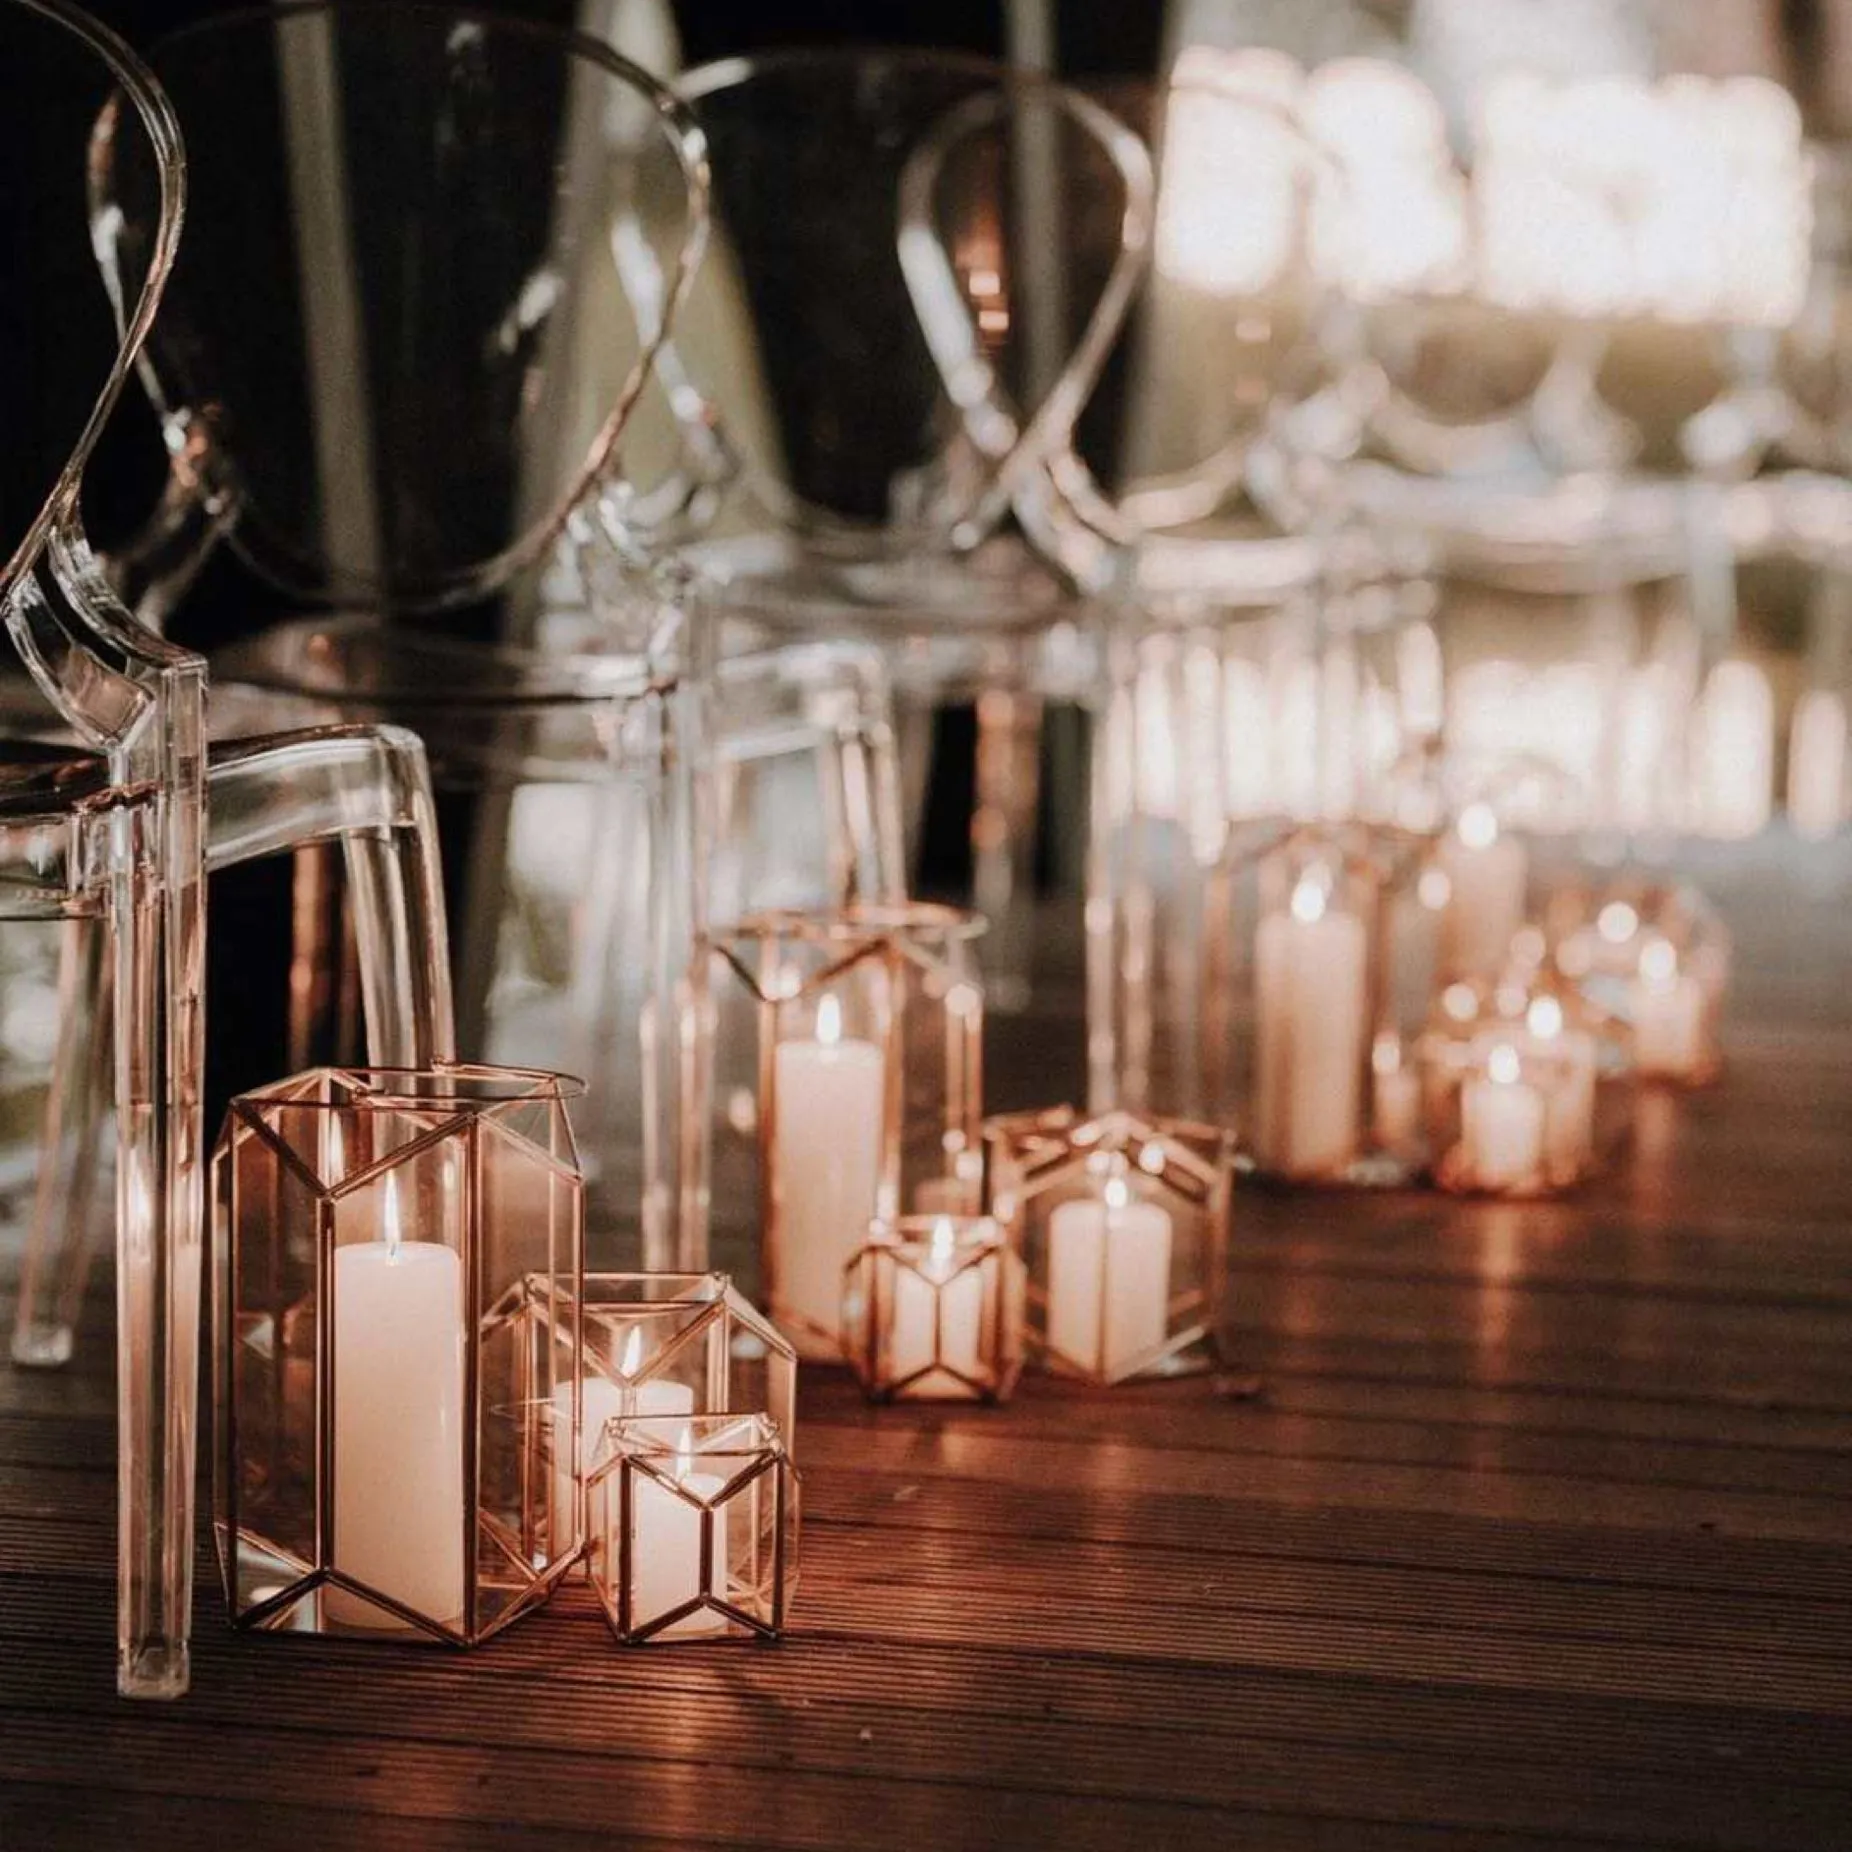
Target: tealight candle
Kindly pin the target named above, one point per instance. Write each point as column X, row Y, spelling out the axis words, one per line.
column 826, row 1155
column 665, row 1549
column 1108, row 1279
column 603, row 1400
column 1311, row 970
column 1486, row 873
column 1502, row 1124
column 936, row 1299
column 398, row 1425
column 1668, row 1015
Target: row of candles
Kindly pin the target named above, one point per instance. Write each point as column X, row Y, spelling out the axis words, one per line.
column 1498, row 1090
column 1095, row 1244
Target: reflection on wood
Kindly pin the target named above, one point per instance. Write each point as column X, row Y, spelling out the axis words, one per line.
column 1536, row 1537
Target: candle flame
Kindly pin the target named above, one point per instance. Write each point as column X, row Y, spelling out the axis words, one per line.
column 1545, row 1018
column 633, row 1354
column 1478, row 826
column 1117, row 1195
column 1617, row 922
column 1309, row 899
column 389, row 1217
column 1434, row 889
column 829, row 1022
column 1659, row 961
column 1502, row 1064
column 684, row 1453
column 1386, row 1054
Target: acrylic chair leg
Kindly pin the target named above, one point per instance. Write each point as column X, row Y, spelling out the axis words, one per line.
column 159, row 1212
column 396, row 881
column 1009, row 732
column 60, row 1237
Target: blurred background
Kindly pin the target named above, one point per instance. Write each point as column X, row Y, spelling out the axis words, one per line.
column 1461, row 50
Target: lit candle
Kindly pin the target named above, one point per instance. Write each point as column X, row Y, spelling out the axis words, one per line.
column 1311, row 982
column 1668, row 1015
column 1502, row 1124
column 399, row 1518
column 603, row 1401
column 826, row 1154
column 1486, row 872
column 665, row 1548
column 1395, row 1097
column 1570, row 1134
column 936, row 1289
column 1108, row 1280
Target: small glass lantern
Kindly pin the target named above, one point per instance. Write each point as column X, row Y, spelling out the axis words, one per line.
column 1657, row 958
column 846, row 1050
column 693, row 1527
column 1122, row 1222
column 1498, row 1055
column 660, row 1344
column 391, row 1248
column 933, row 1311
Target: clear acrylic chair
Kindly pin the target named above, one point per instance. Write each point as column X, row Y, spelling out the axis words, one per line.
column 110, row 834
column 479, row 540
column 851, row 455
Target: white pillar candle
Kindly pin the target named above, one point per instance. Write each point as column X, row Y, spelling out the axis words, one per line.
column 826, row 1158
column 665, row 1550
column 1108, row 1264
column 1502, row 1123
column 1668, row 1016
column 399, row 1519
column 957, row 1300
column 1486, row 874
column 1311, row 969
column 1395, row 1098
column 603, row 1400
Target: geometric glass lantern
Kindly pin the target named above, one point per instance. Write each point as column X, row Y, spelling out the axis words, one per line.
column 661, row 1344
column 1655, row 957
column 933, row 1311
column 692, row 1525
column 390, row 1250
column 846, row 1086
column 1123, row 1224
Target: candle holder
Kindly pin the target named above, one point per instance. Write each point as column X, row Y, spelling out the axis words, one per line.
column 1656, row 958
column 655, row 1344
column 933, row 1311
column 391, row 1248
column 693, row 1523
column 1122, row 1222
column 1291, row 687
column 846, row 1081
column 1489, row 1052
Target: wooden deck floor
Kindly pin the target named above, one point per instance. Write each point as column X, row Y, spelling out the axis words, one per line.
column 1538, row 1535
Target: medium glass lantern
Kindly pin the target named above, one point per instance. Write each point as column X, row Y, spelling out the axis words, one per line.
column 1122, row 1222
column 658, row 1344
column 846, row 1081
column 390, row 1249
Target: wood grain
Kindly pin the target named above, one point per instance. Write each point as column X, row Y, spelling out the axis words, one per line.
column 1537, row 1534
